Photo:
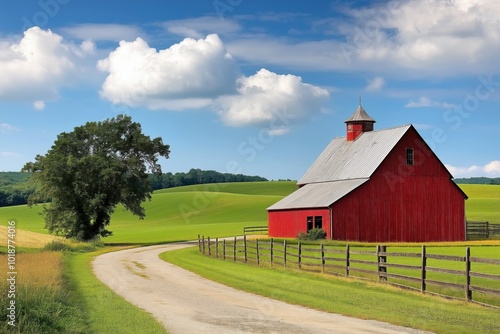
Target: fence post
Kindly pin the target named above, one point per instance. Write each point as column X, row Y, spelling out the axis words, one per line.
column 468, row 292
column 209, row 250
column 284, row 252
column 224, row 248
column 257, row 251
column 234, row 250
column 199, row 243
column 382, row 259
column 487, row 230
column 347, row 261
column 203, row 243
column 217, row 247
column 322, row 258
column 271, row 251
column 299, row 255
column 245, row 247
column 423, row 272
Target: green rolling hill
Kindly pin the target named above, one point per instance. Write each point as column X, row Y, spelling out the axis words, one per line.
column 181, row 213
column 219, row 210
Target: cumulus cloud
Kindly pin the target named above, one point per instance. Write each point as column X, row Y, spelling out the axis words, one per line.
column 270, row 97
column 417, row 38
column 37, row 66
column 375, row 84
column 201, row 73
column 425, row 102
column 186, row 75
column 491, row 169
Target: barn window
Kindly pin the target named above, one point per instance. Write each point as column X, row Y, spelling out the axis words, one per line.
column 309, row 223
column 409, row 156
column 318, row 222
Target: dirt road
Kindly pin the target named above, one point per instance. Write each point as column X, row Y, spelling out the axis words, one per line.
column 187, row 303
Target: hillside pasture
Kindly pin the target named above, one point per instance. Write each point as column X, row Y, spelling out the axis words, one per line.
column 483, row 203
column 218, row 210
column 180, row 213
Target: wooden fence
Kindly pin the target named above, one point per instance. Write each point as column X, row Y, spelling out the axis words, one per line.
column 263, row 229
column 445, row 275
column 482, row 230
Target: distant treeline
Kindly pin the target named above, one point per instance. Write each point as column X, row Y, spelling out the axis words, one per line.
column 198, row 176
column 478, row 180
column 15, row 188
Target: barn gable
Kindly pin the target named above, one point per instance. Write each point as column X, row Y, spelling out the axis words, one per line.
column 385, row 185
column 345, row 160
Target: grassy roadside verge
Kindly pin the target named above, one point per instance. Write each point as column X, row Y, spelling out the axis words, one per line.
column 348, row 297
column 106, row 311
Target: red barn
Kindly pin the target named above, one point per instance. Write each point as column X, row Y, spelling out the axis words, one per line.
column 374, row 186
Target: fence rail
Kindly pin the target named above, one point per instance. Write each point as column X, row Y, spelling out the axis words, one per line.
column 482, row 230
column 420, row 271
column 263, row 229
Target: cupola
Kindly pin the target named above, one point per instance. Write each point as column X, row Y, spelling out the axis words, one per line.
column 358, row 123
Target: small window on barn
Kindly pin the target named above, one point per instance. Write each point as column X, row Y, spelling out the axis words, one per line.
column 309, row 223
column 318, row 222
column 409, row 156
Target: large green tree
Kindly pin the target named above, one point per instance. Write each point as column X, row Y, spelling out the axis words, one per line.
column 89, row 171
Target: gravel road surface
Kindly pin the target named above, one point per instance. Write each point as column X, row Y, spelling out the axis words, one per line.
column 187, row 303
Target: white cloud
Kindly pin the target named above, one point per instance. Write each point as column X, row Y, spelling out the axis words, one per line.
column 417, row 38
column 39, row 105
column 201, row 26
column 37, row 66
column 4, row 127
column 10, row 155
column 268, row 97
column 186, row 75
column 104, row 32
column 425, row 102
column 375, row 84
column 200, row 73
column 491, row 169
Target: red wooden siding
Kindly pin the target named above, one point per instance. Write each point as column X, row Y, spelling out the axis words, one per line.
column 400, row 202
column 288, row 223
column 403, row 203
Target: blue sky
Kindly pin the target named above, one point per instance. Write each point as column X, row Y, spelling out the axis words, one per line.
column 252, row 87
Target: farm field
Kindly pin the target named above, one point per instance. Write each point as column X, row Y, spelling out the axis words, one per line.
column 218, row 210
column 180, row 213
column 483, row 203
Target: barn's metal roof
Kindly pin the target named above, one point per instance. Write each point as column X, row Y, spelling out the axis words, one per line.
column 317, row 195
column 359, row 115
column 358, row 159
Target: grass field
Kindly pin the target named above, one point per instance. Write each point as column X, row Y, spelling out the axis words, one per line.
column 218, row 210
column 174, row 214
column 349, row 297
column 483, row 203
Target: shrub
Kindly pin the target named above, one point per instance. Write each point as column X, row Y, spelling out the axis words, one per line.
column 56, row 246
column 313, row 234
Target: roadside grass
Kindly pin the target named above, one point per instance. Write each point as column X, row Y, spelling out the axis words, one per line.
column 42, row 301
column 106, row 311
column 351, row 297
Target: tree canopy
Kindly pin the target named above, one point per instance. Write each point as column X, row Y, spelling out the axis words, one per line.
column 89, row 171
